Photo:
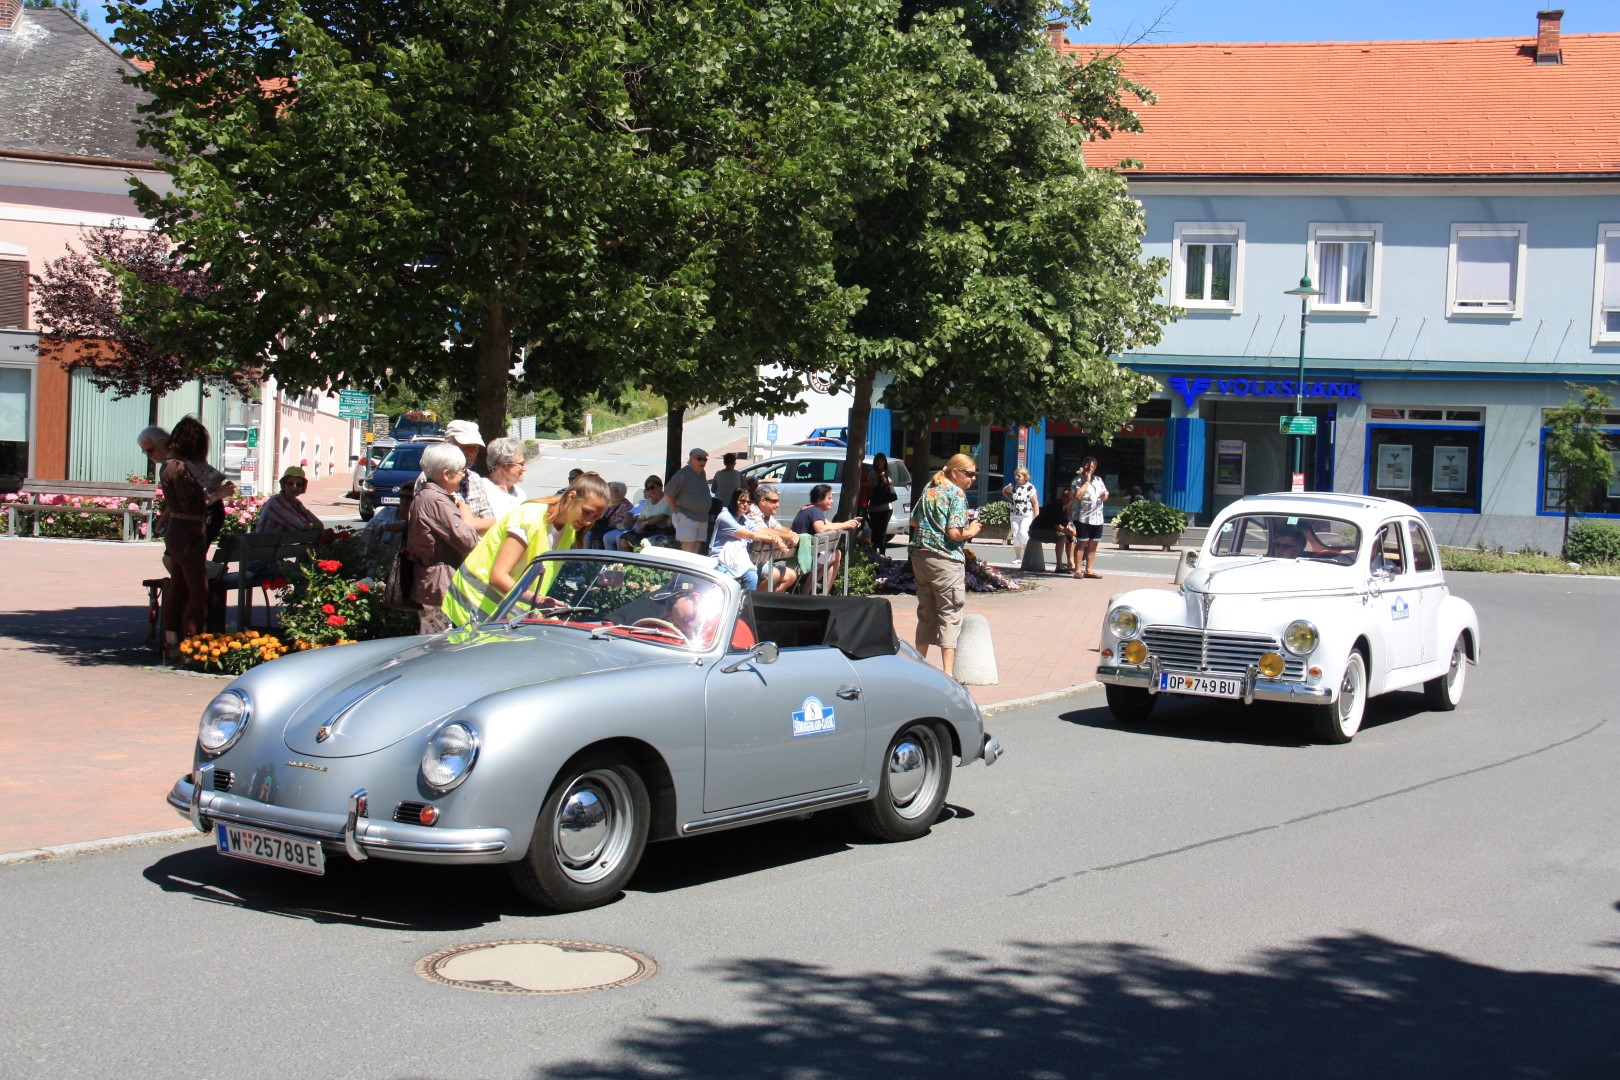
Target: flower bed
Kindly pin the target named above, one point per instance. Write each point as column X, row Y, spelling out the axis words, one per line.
column 84, row 517
column 229, row 654
column 895, row 576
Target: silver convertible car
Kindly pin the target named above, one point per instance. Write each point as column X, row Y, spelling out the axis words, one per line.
column 613, row 699
column 1318, row 599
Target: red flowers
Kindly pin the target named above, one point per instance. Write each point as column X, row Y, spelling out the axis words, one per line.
column 362, row 586
column 351, row 598
column 329, row 566
column 328, row 609
column 335, row 620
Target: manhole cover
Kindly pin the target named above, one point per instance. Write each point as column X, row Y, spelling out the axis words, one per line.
column 536, row 967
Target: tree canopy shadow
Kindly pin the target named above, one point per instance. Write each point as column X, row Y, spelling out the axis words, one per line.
column 83, row 635
column 1357, row 1005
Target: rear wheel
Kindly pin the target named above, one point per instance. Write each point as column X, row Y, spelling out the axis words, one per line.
column 367, row 512
column 911, row 791
column 1131, row 705
column 1340, row 719
column 589, row 838
column 1445, row 692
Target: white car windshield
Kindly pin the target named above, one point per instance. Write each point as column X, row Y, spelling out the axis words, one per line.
column 1287, row 536
column 605, row 596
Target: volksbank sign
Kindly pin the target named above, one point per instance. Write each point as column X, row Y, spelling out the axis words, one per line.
column 1237, row 386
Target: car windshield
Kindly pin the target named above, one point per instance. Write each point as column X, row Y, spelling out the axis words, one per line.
column 605, row 596
column 405, row 457
column 1287, row 536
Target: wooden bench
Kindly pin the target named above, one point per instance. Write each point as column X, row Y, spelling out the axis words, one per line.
column 258, row 558
column 144, row 495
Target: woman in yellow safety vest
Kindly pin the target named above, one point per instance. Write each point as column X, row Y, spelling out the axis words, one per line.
column 548, row 524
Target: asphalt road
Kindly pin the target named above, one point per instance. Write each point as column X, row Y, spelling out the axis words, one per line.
column 1209, row 897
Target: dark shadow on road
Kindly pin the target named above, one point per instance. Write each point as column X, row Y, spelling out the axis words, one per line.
column 83, row 635
column 1263, row 723
column 1353, row 1006
column 679, row 864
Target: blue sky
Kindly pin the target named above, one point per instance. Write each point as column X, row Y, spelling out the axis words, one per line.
column 1114, row 21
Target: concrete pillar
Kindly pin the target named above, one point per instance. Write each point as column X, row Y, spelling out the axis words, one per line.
column 1034, row 557
column 975, row 653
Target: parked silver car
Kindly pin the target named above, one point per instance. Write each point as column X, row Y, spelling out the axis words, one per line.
column 795, row 472
column 613, row 699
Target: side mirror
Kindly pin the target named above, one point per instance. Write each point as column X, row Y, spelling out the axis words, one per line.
column 765, row 652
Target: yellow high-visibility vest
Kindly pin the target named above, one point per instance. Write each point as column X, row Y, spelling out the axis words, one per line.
column 470, row 594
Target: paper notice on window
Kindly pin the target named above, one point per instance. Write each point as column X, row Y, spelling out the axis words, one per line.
column 1450, row 468
column 1395, row 467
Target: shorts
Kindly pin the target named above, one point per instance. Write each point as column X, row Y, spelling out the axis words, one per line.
column 691, row 530
column 1082, row 531
column 941, row 595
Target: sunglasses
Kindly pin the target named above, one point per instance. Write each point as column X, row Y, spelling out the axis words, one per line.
column 968, row 472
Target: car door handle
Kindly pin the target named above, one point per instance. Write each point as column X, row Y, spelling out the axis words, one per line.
column 850, row 693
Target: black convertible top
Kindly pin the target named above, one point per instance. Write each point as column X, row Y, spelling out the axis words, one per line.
column 858, row 626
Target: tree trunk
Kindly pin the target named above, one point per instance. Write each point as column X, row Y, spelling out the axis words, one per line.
column 674, row 456
column 492, row 371
column 860, row 414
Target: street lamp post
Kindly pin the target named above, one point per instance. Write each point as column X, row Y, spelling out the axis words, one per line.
column 1304, row 292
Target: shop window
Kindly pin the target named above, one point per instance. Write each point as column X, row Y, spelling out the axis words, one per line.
column 1346, row 258
column 1487, row 270
column 1208, row 270
column 1606, row 289
column 16, row 392
column 1432, row 467
column 13, row 294
column 1603, row 500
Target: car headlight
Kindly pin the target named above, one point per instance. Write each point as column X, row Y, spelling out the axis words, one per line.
column 1124, row 622
column 450, row 755
column 223, row 722
column 1301, row 638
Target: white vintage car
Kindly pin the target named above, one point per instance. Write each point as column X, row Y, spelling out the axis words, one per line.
column 1319, row 599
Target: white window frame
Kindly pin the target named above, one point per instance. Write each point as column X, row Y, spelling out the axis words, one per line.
column 1520, row 231
column 1607, row 233
column 1207, row 232
column 1321, row 232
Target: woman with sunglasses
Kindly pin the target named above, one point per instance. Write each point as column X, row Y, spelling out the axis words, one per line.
column 940, row 529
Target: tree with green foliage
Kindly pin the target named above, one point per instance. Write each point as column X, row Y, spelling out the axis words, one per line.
column 72, row 7
column 1578, row 450
column 395, row 194
column 1005, row 274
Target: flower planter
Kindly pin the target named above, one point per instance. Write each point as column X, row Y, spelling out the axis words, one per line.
column 1124, row 538
column 994, row 532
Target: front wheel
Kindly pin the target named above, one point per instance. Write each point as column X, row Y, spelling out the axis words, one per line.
column 367, row 512
column 911, row 791
column 589, row 838
column 1445, row 692
column 1131, row 705
column 1340, row 719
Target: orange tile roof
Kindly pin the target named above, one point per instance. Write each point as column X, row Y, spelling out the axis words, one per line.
column 1481, row 107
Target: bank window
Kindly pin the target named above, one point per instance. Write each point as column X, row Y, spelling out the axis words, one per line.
column 1208, row 270
column 1346, row 259
column 1606, row 289
column 1603, row 500
column 1487, row 270
column 1433, row 467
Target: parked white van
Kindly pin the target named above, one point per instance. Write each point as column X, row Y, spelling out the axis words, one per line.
column 801, row 468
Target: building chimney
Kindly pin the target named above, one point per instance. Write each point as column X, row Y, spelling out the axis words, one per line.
column 1054, row 32
column 9, row 12
column 1548, row 48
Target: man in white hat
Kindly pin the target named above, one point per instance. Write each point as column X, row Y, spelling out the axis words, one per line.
column 464, row 435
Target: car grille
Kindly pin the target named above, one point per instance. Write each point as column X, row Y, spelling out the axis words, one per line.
column 223, row 779
column 1182, row 648
column 409, row 813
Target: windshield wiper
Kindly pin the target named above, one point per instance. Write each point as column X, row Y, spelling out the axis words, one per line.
column 539, row 614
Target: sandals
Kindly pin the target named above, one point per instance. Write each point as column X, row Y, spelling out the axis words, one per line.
column 1088, row 573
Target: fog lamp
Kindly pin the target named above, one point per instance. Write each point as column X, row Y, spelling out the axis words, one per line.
column 1134, row 652
column 1271, row 665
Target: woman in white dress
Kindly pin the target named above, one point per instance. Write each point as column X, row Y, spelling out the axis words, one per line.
column 1026, row 503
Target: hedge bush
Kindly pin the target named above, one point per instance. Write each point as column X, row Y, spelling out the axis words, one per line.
column 1151, row 519
column 1594, row 541
column 996, row 513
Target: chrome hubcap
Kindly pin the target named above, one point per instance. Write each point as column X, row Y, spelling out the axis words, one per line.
column 914, row 771
column 591, row 830
column 906, row 772
column 1350, row 698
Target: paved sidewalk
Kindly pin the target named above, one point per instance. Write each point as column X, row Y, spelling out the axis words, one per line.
column 95, row 733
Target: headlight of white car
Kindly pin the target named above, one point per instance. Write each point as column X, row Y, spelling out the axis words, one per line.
column 223, row 722
column 1124, row 622
column 450, row 755
column 1301, row 638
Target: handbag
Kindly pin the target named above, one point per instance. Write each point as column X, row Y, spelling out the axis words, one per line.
column 399, row 583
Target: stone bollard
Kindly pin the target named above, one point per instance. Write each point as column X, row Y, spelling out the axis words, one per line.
column 1034, row 557
column 975, row 653
column 1184, row 565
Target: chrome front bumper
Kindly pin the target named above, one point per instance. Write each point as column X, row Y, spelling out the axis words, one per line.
column 1255, row 688
column 991, row 750
column 353, row 831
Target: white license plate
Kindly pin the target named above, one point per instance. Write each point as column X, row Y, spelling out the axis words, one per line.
column 390, row 500
column 1172, row 682
column 276, row 849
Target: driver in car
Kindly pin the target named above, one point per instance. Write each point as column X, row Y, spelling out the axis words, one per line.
column 1287, row 543
column 690, row 606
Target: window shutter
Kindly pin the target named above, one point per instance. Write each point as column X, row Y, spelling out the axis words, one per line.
column 1611, row 273
column 13, row 294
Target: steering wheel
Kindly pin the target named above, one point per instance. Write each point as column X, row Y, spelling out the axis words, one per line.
column 660, row 624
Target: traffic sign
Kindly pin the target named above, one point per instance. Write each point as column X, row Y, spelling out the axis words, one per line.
column 1297, row 425
column 354, row 404
column 770, row 432
column 253, row 437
